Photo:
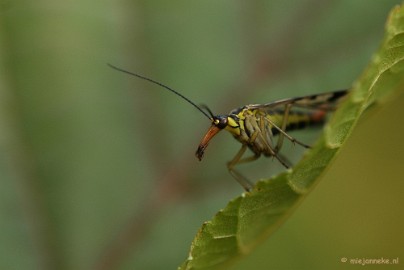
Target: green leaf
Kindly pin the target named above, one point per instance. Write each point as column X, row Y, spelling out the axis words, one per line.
column 251, row 218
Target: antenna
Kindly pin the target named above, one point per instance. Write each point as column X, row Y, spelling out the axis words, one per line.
column 164, row 86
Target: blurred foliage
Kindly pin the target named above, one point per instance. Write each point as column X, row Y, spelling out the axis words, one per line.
column 97, row 169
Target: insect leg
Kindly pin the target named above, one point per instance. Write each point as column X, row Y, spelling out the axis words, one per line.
column 248, row 159
column 293, row 140
column 283, row 127
column 284, row 161
column 244, row 182
column 267, row 138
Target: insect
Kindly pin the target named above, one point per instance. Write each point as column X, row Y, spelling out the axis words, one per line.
column 256, row 125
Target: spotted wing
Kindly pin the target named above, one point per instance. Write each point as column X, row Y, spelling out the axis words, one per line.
column 325, row 102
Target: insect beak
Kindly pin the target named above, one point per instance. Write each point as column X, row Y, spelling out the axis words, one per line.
column 213, row 130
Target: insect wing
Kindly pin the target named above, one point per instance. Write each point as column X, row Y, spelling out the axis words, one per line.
column 325, row 101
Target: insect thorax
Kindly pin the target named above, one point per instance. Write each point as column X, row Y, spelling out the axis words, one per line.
column 253, row 129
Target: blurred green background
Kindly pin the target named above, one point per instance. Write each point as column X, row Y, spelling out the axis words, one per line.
column 97, row 168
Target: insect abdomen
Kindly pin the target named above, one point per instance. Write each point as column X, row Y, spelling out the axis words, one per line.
column 297, row 121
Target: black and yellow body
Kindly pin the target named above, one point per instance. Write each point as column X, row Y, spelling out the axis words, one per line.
column 255, row 126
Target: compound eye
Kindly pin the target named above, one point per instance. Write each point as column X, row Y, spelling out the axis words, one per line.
column 220, row 122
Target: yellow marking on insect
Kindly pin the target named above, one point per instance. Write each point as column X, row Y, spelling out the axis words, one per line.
column 232, row 126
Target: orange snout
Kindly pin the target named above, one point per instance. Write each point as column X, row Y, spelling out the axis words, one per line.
column 213, row 130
